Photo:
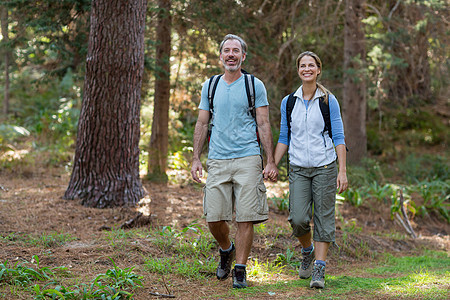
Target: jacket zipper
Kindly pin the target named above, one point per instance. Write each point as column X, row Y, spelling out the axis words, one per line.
column 306, row 129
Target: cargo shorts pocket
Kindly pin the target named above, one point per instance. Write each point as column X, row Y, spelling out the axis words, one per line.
column 263, row 207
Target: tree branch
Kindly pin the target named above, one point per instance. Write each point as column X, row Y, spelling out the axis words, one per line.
column 161, row 295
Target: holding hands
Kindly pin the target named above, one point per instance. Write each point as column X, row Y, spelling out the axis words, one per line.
column 271, row 172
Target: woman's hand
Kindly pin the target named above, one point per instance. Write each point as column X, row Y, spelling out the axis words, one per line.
column 342, row 183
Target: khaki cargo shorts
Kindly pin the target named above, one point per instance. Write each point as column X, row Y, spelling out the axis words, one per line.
column 235, row 184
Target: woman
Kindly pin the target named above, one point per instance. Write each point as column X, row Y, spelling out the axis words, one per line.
column 313, row 175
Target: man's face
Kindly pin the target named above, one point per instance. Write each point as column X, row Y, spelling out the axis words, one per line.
column 232, row 56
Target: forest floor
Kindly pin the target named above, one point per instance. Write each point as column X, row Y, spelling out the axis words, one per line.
column 32, row 205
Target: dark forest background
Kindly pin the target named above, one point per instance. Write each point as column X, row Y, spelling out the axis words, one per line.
column 386, row 61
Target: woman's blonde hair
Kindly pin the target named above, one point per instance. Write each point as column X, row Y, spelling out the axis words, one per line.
column 319, row 65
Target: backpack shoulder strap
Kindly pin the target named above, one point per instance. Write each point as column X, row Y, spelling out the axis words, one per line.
column 251, row 92
column 325, row 110
column 250, row 89
column 213, row 81
column 289, row 108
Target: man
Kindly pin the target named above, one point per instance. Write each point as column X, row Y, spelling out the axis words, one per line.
column 235, row 175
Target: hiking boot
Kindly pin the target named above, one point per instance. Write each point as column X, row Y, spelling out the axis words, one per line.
column 239, row 278
column 318, row 277
column 226, row 259
column 307, row 265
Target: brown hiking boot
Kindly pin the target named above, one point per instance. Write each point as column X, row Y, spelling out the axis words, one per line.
column 306, row 268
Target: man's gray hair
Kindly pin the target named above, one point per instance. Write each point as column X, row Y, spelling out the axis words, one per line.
column 234, row 37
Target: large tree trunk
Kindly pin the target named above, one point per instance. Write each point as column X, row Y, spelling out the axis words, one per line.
column 354, row 102
column 160, row 127
column 4, row 20
column 106, row 166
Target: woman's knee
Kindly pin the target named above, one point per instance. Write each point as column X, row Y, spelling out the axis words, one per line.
column 300, row 227
column 302, row 221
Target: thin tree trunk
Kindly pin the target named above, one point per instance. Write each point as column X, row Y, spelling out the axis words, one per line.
column 159, row 140
column 4, row 20
column 106, row 166
column 354, row 102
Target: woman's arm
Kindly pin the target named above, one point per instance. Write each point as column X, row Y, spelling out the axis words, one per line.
column 283, row 138
column 342, row 183
column 280, row 149
column 337, row 126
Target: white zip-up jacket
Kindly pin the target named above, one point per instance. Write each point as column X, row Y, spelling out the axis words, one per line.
column 309, row 145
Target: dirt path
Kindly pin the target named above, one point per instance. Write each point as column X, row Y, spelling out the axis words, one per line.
column 34, row 205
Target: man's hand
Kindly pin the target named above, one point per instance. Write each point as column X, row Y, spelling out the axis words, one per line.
column 271, row 172
column 200, row 133
column 196, row 167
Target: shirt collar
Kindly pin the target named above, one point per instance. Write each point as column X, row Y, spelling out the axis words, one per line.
column 299, row 93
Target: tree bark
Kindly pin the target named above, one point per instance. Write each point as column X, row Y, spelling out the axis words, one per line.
column 159, row 140
column 354, row 95
column 106, row 164
column 4, row 20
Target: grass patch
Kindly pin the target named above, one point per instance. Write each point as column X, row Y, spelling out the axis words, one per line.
column 45, row 240
column 419, row 285
column 52, row 239
column 423, row 277
column 45, row 282
column 120, row 239
column 438, row 262
column 188, row 252
column 21, row 274
column 180, row 265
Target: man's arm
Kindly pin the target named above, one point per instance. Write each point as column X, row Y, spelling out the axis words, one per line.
column 200, row 133
column 265, row 135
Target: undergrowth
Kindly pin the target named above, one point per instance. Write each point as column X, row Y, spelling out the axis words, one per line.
column 190, row 253
column 424, row 189
column 45, row 282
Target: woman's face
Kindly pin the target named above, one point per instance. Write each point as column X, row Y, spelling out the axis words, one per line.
column 308, row 69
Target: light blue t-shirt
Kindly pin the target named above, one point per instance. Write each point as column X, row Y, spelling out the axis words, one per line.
column 233, row 132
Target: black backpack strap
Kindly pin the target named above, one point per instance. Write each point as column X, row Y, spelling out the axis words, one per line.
column 251, row 92
column 325, row 110
column 213, row 81
column 289, row 108
column 212, row 86
column 250, row 89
